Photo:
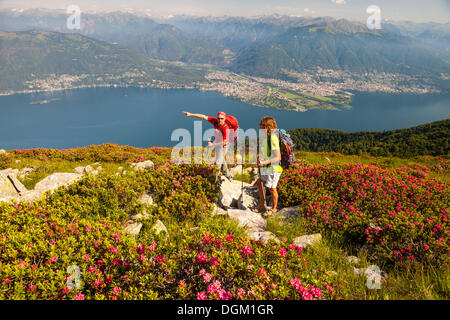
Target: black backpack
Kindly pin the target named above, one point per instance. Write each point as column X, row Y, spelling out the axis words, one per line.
column 286, row 149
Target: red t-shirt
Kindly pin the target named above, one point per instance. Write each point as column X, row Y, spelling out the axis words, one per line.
column 224, row 129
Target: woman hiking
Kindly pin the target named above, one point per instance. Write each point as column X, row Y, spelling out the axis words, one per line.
column 269, row 166
column 221, row 138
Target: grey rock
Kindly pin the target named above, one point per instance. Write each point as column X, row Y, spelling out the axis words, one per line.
column 10, row 172
column 248, row 219
column 79, row 170
column 17, row 184
column 143, row 215
column 372, row 273
column 146, row 198
column 159, row 227
column 230, row 191
column 352, row 259
column 308, row 240
column 288, row 212
column 57, row 180
column 89, row 169
column 144, row 165
column 264, row 236
column 133, row 228
column 7, row 189
column 331, row 273
column 218, row 211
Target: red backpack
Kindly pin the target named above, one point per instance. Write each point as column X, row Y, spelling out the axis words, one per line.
column 233, row 124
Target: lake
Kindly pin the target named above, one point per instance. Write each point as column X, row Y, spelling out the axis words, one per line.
column 146, row 117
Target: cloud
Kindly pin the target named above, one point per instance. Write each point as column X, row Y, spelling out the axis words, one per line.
column 306, row 9
column 338, row 1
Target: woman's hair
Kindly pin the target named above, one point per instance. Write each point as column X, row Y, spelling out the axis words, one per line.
column 269, row 124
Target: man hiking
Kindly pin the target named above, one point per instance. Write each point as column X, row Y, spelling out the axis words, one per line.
column 221, row 138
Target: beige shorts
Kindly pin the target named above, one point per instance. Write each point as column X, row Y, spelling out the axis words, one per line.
column 271, row 179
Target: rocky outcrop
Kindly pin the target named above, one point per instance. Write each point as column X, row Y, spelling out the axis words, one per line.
column 248, row 219
column 12, row 190
column 7, row 189
column 352, row 259
column 147, row 198
column 160, row 228
column 288, row 213
column 144, row 165
column 133, row 228
column 308, row 240
column 235, row 193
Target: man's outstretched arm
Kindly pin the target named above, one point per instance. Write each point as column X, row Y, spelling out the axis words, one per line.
column 197, row 115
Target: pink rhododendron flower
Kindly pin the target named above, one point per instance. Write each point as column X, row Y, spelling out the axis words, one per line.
column 98, row 282
column 241, row 292
column 86, row 257
column 201, row 295
column 116, row 290
column 152, row 246
column 214, row 261
column 207, row 277
column 114, row 250
column 247, row 250
column 54, row 259
column 201, row 257
column 282, row 252
column 91, row 269
column 79, row 296
column 22, row 264
column 31, row 287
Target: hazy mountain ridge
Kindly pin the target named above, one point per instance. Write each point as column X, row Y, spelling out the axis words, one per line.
column 33, row 56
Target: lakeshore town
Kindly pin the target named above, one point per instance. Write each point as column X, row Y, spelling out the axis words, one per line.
column 317, row 89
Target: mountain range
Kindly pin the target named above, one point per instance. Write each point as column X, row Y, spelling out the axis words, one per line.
column 264, row 47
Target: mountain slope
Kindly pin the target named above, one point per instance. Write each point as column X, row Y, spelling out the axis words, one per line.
column 338, row 45
column 157, row 41
column 27, row 56
column 427, row 139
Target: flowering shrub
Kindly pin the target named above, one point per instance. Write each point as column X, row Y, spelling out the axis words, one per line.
column 219, row 267
column 184, row 191
column 402, row 213
column 107, row 152
column 81, row 225
column 35, row 261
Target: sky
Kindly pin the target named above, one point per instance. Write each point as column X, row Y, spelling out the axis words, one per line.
column 398, row 10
